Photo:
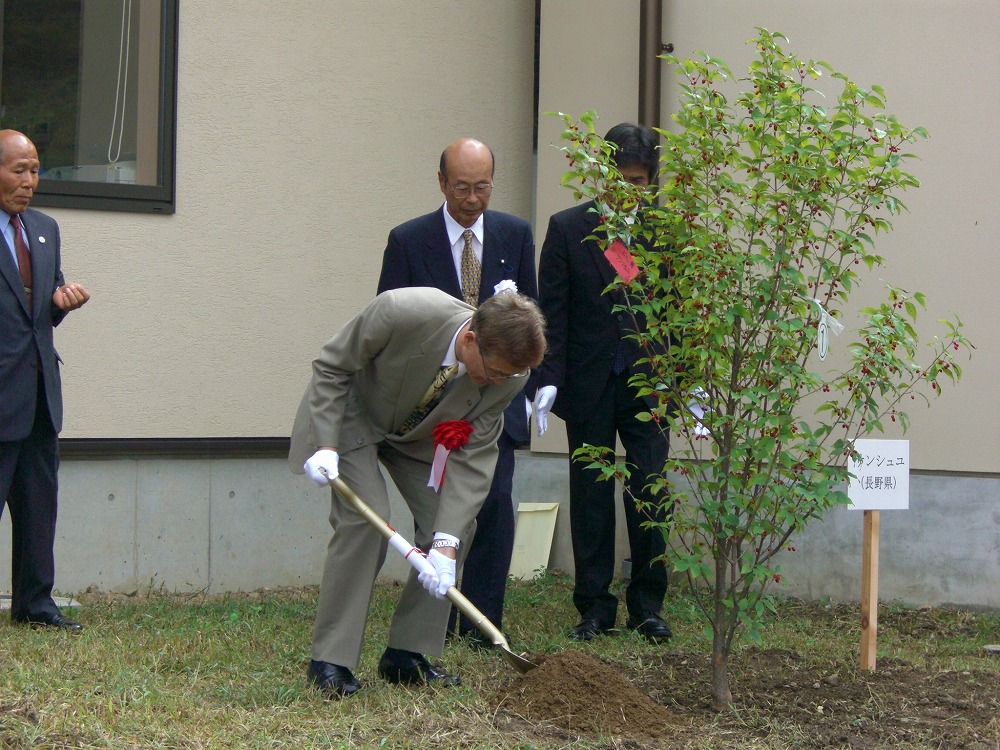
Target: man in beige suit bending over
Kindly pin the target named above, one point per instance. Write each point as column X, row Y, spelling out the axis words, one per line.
column 371, row 401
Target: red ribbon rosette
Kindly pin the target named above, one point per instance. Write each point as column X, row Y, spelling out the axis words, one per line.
column 447, row 437
column 452, row 434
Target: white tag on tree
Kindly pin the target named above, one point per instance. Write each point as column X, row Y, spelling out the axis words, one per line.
column 827, row 325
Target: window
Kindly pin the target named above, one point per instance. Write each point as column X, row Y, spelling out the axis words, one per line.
column 92, row 83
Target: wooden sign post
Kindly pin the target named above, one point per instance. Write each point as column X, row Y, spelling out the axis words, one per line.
column 880, row 480
column 869, row 590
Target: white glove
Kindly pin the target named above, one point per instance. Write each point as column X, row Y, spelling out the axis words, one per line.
column 697, row 407
column 443, row 578
column 321, row 467
column 544, row 398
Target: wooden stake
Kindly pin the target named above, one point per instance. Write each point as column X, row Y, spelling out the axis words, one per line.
column 869, row 590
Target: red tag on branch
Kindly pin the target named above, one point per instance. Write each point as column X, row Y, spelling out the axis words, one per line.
column 621, row 260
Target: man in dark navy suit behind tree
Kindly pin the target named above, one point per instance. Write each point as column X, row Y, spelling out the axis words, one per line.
column 467, row 251
column 585, row 381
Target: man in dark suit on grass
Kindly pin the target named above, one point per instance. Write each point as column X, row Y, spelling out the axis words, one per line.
column 34, row 298
column 584, row 380
column 466, row 250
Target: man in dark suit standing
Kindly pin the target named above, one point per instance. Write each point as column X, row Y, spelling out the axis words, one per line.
column 33, row 299
column 465, row 250
column 584, row 380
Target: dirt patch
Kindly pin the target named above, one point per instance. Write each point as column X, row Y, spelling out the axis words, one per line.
column 842, row 707
column 778, row 695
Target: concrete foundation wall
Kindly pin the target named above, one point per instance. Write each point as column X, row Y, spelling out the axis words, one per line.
column 237, row 525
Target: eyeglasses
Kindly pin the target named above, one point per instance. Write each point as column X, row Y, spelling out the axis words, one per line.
column 492, row 374
column 462, row 189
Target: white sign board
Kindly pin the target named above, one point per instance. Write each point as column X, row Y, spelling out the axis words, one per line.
column 880, row 476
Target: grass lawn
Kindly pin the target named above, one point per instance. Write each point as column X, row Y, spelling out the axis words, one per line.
column 228, row 671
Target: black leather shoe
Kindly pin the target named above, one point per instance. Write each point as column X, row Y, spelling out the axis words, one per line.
column 587, row 628
column 402, row 667
column 652, row 628
column 333, row 680
column 51, row 621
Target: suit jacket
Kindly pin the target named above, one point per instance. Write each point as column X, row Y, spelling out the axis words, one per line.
column 581, row 328
column 418, row 253
column 26, row 338
column 370, row 377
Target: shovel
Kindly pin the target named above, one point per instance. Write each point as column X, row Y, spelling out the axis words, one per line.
column 416, row 558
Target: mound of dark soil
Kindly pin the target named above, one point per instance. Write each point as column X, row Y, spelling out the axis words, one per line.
column 578, row 693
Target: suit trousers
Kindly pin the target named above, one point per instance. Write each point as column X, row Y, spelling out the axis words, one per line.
column 487, row 561
column 29, row 485
column 355, row 555
column 592, row 509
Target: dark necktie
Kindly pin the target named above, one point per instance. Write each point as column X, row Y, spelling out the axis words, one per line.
column 472, row 271
column 23, row 256
column 430, row 398
column 618, row 359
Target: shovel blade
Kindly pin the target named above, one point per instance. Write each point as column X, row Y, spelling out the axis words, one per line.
column 520, row 662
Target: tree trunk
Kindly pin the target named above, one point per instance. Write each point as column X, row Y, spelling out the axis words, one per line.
column 722, row 696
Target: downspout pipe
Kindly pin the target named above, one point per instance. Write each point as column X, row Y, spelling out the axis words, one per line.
column 650, row 46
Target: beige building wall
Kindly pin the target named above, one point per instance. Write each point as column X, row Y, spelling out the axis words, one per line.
column 303, row 136
column 938, row 63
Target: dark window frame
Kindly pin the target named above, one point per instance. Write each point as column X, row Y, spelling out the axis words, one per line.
column 126, row 197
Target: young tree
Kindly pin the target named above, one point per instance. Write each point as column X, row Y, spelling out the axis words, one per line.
column 766, row 209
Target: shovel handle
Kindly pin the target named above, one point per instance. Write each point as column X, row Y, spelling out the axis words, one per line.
column 416, row 558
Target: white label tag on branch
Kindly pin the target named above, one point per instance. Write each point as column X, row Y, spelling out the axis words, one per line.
column 827, row 325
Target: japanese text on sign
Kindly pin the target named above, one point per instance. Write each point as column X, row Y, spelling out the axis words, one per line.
column 880, row 475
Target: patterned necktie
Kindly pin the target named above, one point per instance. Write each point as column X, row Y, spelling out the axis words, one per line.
column 472, row 271
column 430, row 398
column 23, row 256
